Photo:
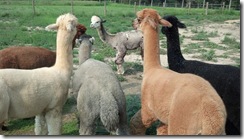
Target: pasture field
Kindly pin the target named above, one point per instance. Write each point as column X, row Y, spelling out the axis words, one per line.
column 213, row 38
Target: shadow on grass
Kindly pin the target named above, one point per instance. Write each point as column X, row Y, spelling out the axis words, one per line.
column 20, row 124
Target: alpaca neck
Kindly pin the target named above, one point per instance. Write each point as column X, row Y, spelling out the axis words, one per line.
column 84, row 51
column 64, row 56
column 104, row 35
column 175, row 57
column 151, row 48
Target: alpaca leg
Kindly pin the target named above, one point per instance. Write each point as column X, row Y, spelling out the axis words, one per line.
column 4, row 106
column 141, row 121
column 54, row 121
column 120, row 60
column 123, row 127
column 162, row 129
column 142, row 54
column 40, row 125
column 136, row 125
column 87, row 125
column 120, row 69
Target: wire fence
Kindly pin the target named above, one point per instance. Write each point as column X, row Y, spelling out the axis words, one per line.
column 130, row 2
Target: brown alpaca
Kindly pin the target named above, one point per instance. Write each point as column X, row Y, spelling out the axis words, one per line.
column 31, row 57
column 185, row 104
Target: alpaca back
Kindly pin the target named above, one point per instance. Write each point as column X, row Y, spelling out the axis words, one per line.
column 26, row 57
column 95, row 82
column 130, row 39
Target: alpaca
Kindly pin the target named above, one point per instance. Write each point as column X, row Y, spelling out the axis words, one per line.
column 26, row 57
column 224, row 78
column 41, row 92
column 185, row 104
column 81, row 29
column 86, row 47
column 98, row 93
column 121, row 41
column 30, row 57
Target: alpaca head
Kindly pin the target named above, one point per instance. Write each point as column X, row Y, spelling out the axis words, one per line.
column 149, row 17
column 175, row 25
column 96, row 21
column 67, row 22
column 83, row 38
column 81, row 29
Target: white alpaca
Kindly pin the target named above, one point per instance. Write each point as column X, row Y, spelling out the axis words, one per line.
column 41, row 92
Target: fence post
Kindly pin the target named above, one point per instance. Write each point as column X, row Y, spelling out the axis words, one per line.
column 206, row 12
column 151, row 3
column 182, row 4
column 72, row 8
column 230, row 5
column 139, row 3
column 203, row 4
column 189, row 7
column 223, row 6
column 135, row 7
column 33, row 7
column 105, row 8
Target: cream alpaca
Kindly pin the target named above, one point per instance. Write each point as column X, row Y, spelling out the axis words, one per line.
column 41, row 92
column 186, row 104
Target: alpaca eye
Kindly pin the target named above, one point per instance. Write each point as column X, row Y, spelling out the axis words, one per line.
column 139, row 20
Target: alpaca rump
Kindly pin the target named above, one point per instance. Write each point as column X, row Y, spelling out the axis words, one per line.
column 224, row 78
column 31, row 57
column 23, row 90
column 185, row 104
column 121, row 41
column 98, row 93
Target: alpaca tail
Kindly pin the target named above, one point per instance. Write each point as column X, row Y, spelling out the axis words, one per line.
column 214, row 118
column 109, row 114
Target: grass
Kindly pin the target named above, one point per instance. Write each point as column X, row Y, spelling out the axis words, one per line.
column 231, row 42
column 17, row 16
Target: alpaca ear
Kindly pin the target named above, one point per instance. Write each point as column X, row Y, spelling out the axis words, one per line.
column 51, row 27
column 103, row 21
column 165, row 23
column 181, row 25
column 92, row 39
column 152, row 23
column 70, row 26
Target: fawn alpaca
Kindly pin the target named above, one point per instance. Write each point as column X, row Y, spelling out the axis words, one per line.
column 224, row 78
column 185, row 104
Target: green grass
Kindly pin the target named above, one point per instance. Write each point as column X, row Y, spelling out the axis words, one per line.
column 231, row 42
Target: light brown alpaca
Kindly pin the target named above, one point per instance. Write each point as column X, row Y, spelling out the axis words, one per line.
column 185, row 104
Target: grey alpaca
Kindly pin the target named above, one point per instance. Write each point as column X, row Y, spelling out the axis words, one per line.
column 121, row 41
column 98, row 93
